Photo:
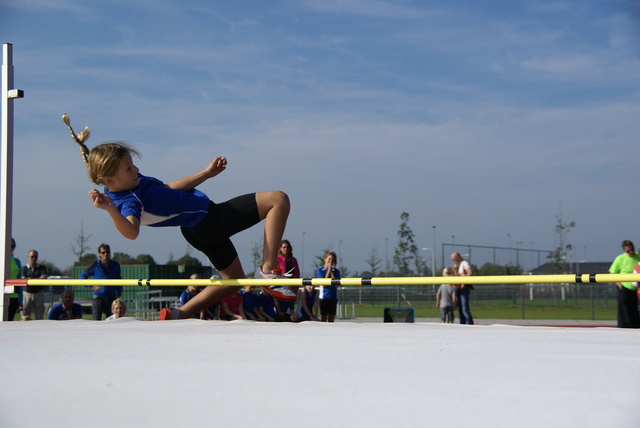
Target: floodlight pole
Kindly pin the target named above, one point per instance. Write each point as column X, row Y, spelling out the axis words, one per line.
column 433, row 260
column 6, row 174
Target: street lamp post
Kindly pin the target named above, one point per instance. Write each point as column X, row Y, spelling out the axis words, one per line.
column 434, row 246
column 386, row 256
column 302, row 267
column 433, row 260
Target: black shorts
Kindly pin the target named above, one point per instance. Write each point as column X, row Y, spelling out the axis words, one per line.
column 328, row 307
column 211, row 235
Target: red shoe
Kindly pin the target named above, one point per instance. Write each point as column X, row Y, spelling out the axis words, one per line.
column 281, row 293
column 165, row 314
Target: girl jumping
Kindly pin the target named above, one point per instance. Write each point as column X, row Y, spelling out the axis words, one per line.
column 132, row 199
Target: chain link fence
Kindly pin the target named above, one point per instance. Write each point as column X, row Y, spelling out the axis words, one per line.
column 593, row 299
column 526, row 259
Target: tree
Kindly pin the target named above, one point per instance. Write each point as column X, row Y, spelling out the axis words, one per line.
column 85, row 260
column 407, row 251
column 421, row 266
column 51, row 268
column 490, row 269
column 256, row 254
column 320, row 258
column 561, row 256
column 186, row 260
column 374, row 262
column 344, row 271
column 124, row 258
column 82, row 241
column 146, row 259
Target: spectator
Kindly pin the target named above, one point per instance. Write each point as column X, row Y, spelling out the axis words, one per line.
column 250, row 302
column 231, row 308
column 189, row 293
column 626, row 262
column 289, row 266
column 33, row 296
column 15, row 298
column 118, row 309
column 192, row 291
column 103, row 296
column 462, row 267
column 66, row 309
column 286, row 262
column 446, row 298
column 329, row 293
column 212, row 312
column 285, row 311
column 308, row 304
column 266, row 308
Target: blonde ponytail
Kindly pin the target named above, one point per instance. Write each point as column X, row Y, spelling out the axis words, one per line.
column 79, row 138
column 102, row 160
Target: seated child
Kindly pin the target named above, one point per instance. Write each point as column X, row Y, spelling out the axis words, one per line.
column 118, row 309
column 446, row 298
column 265, row 308
column 231, row 308
column 249, row 302
column 308, row 304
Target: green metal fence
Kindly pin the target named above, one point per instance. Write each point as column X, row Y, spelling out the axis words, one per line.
column 134, row 296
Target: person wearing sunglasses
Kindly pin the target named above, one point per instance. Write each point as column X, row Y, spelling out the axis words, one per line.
column 33, row 296
column 103, row 296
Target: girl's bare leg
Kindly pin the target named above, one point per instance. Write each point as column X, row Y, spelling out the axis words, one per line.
column 273, row 208
column 210, row 294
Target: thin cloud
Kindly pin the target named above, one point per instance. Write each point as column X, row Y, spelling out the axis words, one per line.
column 469, row 117
column 366, row 8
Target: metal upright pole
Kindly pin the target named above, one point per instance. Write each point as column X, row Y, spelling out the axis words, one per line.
column 6, row 175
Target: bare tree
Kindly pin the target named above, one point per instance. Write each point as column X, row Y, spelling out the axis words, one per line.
column 256, row 254
column 560, row 258
column 82, row 240
column 374, row 262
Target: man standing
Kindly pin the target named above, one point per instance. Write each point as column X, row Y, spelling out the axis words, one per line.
column 463, row 268
column 628, row 316
column 103, row 296
column 33, row 296
column 15, row 298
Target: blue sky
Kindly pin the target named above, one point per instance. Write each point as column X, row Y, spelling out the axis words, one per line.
column 480, row 118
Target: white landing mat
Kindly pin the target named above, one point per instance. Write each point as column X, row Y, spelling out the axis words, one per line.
column 133, row 373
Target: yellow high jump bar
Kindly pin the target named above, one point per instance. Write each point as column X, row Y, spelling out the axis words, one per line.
column 414, row 280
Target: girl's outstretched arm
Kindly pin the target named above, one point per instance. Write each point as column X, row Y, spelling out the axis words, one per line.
column 188, row 183
column 128, row 226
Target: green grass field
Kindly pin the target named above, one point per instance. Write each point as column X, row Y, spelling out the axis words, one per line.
column 504, row 310
column 490, row 310
column 541, row 309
